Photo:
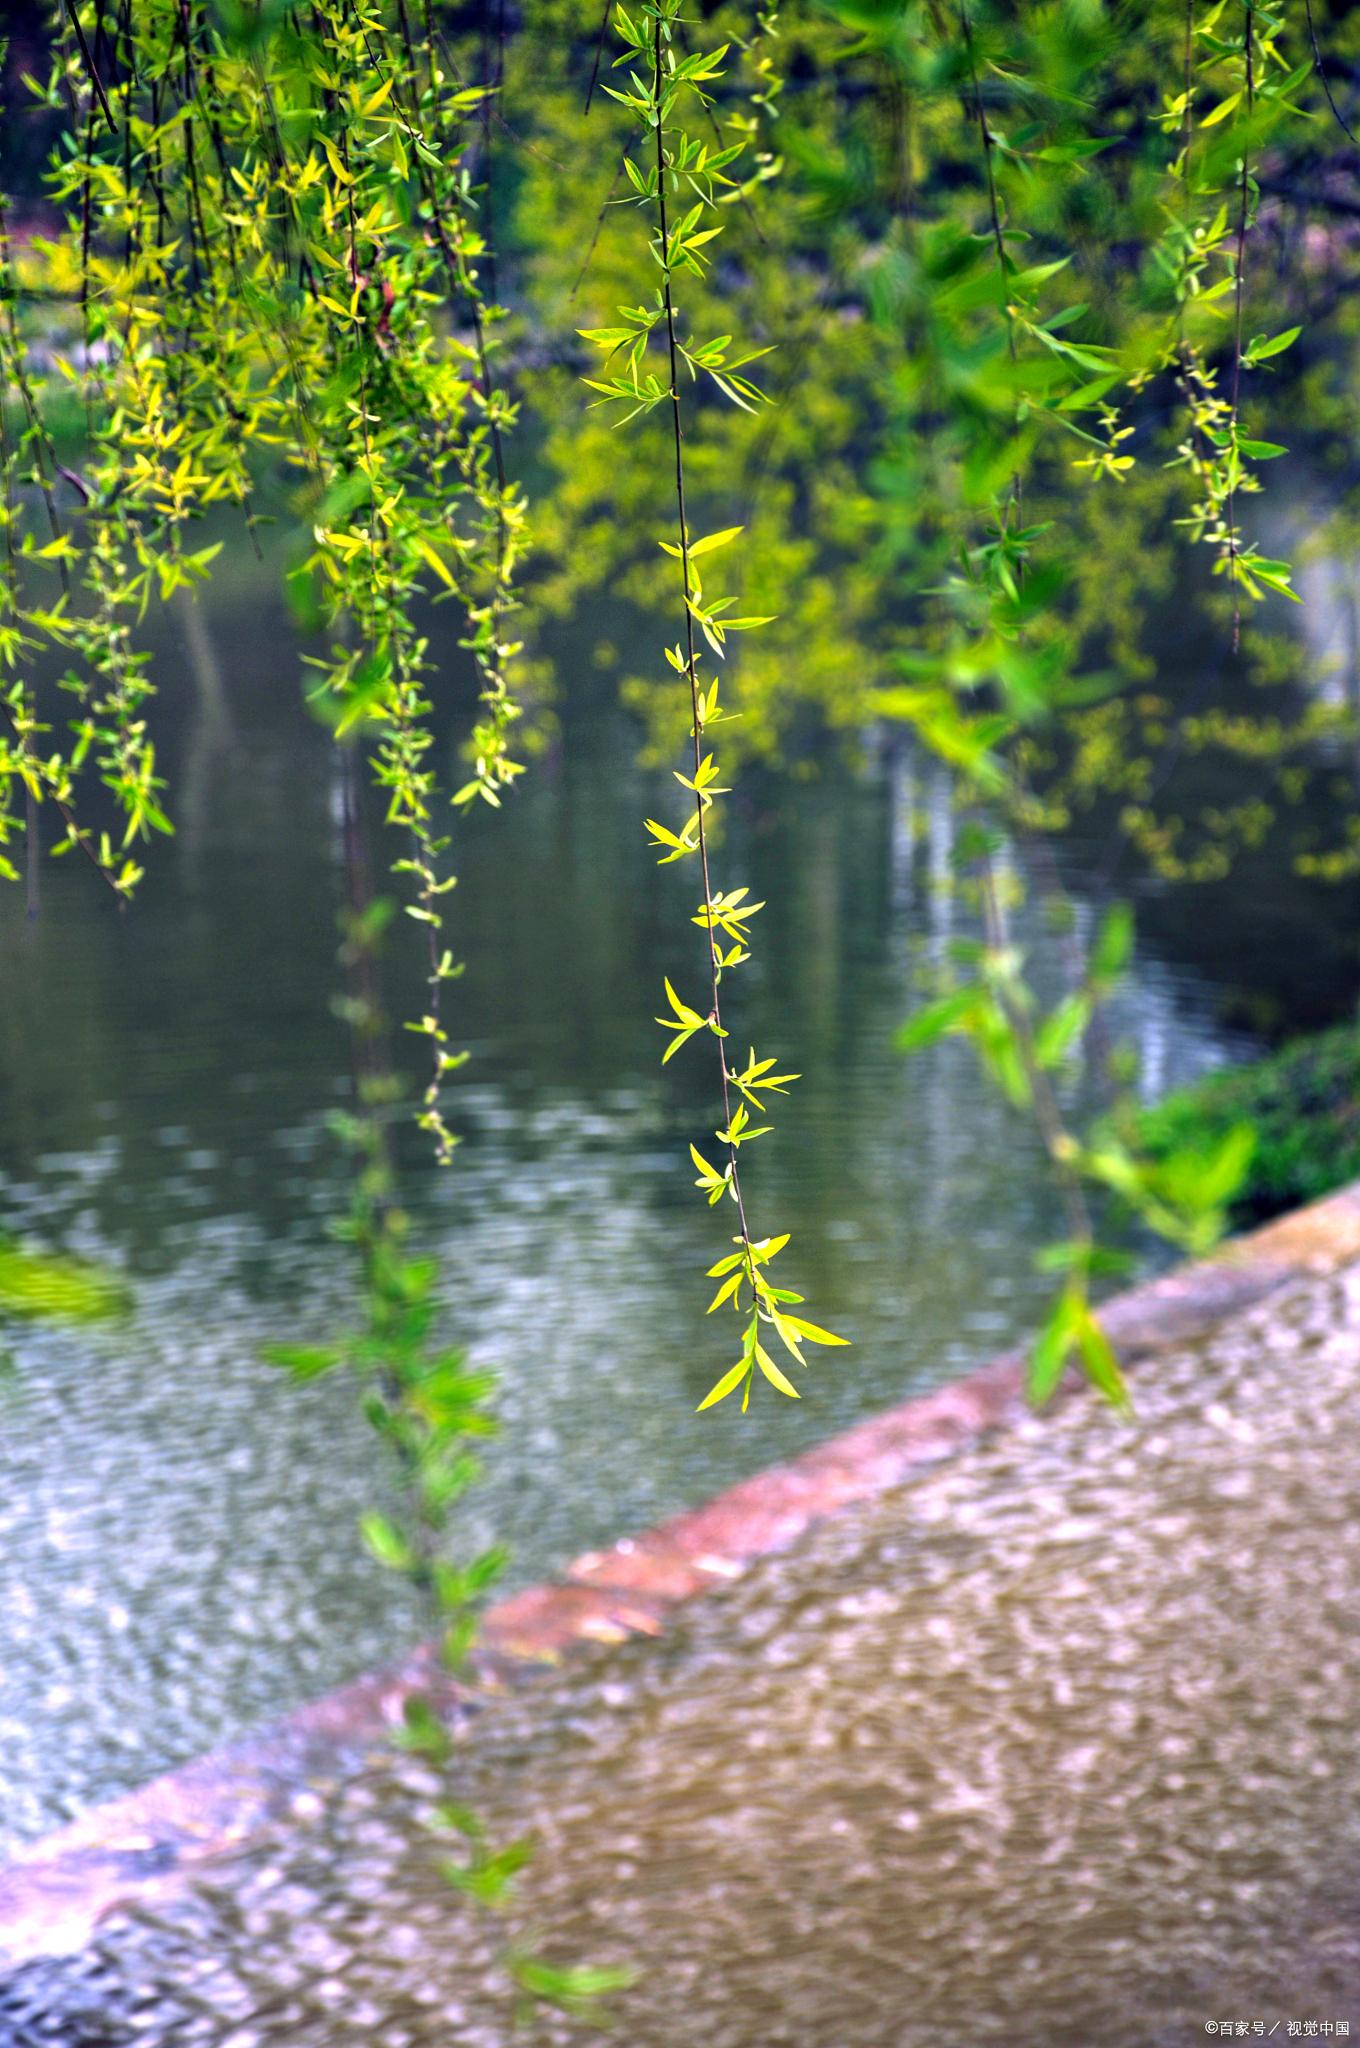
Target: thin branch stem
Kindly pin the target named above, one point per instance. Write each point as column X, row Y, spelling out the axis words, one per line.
column 691, row 670
column 1321, row 69
column 599, row 53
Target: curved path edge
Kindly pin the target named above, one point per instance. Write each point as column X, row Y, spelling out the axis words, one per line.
column 135, row 1847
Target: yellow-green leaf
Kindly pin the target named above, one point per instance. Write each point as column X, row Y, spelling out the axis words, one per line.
column 774, row 1375
column 725, row 1385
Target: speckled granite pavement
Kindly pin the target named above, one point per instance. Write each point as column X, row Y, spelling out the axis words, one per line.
column 1053, row 1742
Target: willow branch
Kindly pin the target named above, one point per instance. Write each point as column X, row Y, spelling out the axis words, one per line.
column 691, row 670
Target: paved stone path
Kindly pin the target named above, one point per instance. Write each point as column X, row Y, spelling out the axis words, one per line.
column 1052, row 1744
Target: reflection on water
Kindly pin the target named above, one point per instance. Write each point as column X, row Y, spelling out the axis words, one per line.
column 1052, row 1747
column 176, row 1547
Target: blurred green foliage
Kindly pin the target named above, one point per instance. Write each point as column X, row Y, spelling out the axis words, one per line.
column 1302, row 1106
column 42, row 1286
column 1026, row 283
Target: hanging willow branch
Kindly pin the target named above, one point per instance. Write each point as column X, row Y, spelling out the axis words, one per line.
column 269, row 281
column 659, row 78
column 274, row 248
column 1204, row 257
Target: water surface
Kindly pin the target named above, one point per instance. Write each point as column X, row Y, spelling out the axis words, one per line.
column 177, row 1556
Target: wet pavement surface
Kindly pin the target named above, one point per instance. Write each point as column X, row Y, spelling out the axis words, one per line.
column 1052, row 1746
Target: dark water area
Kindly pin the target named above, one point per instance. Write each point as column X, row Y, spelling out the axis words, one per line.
column 177, row 1547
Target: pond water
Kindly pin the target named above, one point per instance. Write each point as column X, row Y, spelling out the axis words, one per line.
column 177, row 1548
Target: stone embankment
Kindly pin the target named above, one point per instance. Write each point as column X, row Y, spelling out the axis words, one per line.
column 965, row 1727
